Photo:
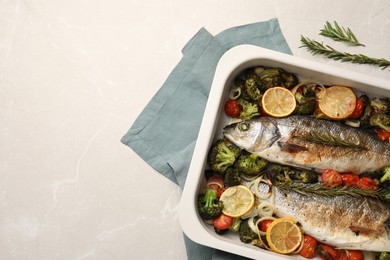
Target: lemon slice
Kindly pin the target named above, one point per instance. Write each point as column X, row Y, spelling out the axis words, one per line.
column 338, row 102
column 284, row 236
column 278, row 102
column 237, row 201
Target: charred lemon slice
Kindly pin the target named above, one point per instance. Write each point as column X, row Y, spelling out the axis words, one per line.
column 337, row 103
column 278, row 102
column 284, row 236
column 237, row 201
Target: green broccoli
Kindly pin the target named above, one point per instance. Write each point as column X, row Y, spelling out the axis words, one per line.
column 246, row 234
column 232, row 177
column 222, row 154
column 380, row 105
column 386, row 174
column 235, row 224
column 289, row 79
column 384, row 256
column 252, row 93
column 248, row 109
column 306, row 176
column 209, row 206
column 279, row 174
column 269, row 78
column 381, row 120
column 306, row 103
column 250, row 163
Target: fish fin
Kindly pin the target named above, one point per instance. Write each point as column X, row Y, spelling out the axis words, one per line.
column 291, row 148
column 362, row 231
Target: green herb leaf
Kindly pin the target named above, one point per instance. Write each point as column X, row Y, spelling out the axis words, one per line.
column 318, row 189
column 328, row 139
column 339, row 33
column 318, row 48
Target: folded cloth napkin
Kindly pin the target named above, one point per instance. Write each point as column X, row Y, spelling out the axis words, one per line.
column 165, row 133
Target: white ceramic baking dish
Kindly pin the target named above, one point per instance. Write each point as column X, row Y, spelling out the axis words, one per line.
column 230, row 66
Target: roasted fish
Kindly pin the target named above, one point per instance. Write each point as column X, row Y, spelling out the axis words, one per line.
column 306, row 142
column 342, row 221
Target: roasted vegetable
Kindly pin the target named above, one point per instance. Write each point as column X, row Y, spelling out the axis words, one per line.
column 247, row 235
column 384, row 256
column 235, row 227
column 381, row 120
column 232, row 177
column 250, row 88
column 380, row 105
column 250, row 163
column 306, row 176
column 306, row 101
column 249, row 110
column 209, row 207
column 273, row 77
column 222, row 154
column 280, row 174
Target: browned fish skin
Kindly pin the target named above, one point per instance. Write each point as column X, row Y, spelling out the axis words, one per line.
column 294, row 141
column 343, row 221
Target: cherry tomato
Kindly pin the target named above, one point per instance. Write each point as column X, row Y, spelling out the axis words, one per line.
column 328, row 252
column 351, row 255
column 222, row 222
column 331, row 178
column 216, row 182
column 359, row 108
column 232, row 108
column 309, row 246
column 367, row 183
column 350, row 179
column 264, row 224
column 383, row 135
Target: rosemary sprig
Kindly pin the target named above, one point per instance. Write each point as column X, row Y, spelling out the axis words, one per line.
column 339, row 33
column 329, row 139
column 317, row 189
column 316, row 47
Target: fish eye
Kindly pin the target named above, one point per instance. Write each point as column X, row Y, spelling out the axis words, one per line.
column 243, row 126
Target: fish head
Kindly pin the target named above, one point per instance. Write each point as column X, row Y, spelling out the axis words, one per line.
column 253, row 135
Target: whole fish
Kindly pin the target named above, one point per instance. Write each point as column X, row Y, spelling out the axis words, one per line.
column 342, row 221
column 306, row 142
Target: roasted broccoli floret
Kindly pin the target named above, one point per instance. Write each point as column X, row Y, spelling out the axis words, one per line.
column 248, row 109
column 306, row 176
column 222, row 154
column 306, row 102
column 386, row 174
column 269, row 78
column 289, row 79
column 384, row 256
column 250, row 88
column 279, row 174
column 250, row 163
column 209, row 206
column 381, row 120
column 247, row 235
column 232, row 177
column 236, row 223
column 380, row 105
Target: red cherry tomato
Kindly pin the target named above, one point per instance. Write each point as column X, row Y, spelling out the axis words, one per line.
column 359, row 108
column 232, row 108
column 331, row 178
column 350, row 179
column 264, row 224
column 367, row 183
column 309, row 246
column 351, row 255
column 222, row 222
column 328, row 252
column 216, row 182
column 383, row 135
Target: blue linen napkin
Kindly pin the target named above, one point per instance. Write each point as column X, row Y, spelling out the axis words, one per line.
column 165, row 133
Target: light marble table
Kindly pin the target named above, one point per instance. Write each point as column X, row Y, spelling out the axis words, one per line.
column 75, row 74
